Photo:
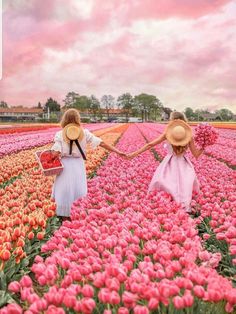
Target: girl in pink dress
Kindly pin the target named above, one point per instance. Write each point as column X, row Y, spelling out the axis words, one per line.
column 175, row 174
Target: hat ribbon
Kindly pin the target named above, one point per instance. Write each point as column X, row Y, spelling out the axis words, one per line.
column 79, row 147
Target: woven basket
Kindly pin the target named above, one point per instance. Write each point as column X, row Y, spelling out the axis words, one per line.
column 50, row 171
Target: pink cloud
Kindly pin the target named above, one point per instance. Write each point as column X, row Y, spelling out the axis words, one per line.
column 30, row 30
column 102, row 52
column 171, row 8
column 128, row 11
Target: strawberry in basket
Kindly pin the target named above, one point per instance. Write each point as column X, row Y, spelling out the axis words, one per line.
column 205, row 135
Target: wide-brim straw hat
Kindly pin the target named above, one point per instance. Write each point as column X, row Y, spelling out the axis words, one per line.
column 178, row 133
column 72, row 132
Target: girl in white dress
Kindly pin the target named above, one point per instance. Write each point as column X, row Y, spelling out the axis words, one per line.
column 71, row 183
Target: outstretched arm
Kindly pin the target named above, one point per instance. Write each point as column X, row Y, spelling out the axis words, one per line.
column 149, row 145
column 194, row 150
column 112, row 149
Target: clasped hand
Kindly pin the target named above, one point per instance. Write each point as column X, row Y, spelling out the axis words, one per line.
column 128, row 156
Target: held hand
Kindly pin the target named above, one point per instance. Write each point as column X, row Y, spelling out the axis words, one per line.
column 132, row 155
column 122, row 154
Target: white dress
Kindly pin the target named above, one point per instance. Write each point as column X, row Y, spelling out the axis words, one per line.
column 71, row 183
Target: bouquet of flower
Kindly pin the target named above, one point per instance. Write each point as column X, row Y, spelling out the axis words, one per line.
column 49, row 160
column 205, row 135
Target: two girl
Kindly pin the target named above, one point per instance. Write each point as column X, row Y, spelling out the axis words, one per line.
column 174, row 175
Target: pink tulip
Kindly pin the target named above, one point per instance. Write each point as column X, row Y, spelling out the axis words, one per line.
column 69, row 301
column 178, row 302
column 14, row 309
column 55, row 310
column 87, row 291
column 199, row 291
column 153, row 304
column 87, row 305
column 14, row 286
column 138, row 309
column 26, row 281
column 123, row 310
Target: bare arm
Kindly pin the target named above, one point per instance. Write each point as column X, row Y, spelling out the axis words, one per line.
column 194, row 150
column 111, row 148
column 149, row 145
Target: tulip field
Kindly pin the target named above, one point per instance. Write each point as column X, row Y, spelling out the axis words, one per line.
column 124, row 250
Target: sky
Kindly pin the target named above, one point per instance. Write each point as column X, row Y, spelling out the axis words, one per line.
column 182, row 51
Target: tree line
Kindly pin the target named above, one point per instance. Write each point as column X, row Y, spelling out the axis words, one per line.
column 143, row 105
column 201, row 115
column 146, row 106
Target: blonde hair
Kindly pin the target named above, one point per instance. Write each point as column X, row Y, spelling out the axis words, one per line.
column 70, row 116
column 180, row 116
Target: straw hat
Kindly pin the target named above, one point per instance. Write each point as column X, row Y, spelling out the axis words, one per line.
column 72, row 132
column 178, row 133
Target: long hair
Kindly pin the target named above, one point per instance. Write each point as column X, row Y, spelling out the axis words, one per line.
column 180, row 116
column 70, row 116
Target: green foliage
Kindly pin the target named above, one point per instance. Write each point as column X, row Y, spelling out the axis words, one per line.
column 189, row 113
column 81, row 102
column 71, row 100
column 205, row 115
column 108, row 102
column 8, row 182
column 52, row 104
column 3, row 104
column 94, row 105
column 126, row 102
column 225, row 114
column 213, row 245
column 148, row 105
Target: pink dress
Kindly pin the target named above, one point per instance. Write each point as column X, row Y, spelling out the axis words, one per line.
column 176, row 176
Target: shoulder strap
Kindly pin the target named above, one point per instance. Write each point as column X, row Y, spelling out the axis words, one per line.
column 79, row 147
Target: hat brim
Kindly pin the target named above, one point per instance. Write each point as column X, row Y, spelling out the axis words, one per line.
column 64, row 131
column 172, row 140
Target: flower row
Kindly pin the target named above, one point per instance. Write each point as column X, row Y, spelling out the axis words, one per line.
column 16, row 142
column 25, row 204
column 217, row 199
column 125, row 250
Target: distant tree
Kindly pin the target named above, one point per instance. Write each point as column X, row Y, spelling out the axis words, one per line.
column 126, row 102
column 71, row 100
column 39, row 106
column 144, row 104
column 94, row 105
column 108, row 102
column 225, row 114
column 74, row 100
column 3, row 104
column 52, row 104
column 190, row 114
column 156, row 109
column 198, row 114
column 83, row 103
